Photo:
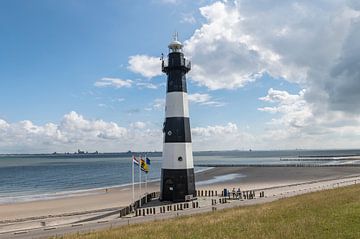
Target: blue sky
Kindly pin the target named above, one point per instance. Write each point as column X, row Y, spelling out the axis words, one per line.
column 246, row 85
column 57, row 50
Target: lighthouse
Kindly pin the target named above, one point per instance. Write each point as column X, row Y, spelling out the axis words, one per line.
column 177, row 172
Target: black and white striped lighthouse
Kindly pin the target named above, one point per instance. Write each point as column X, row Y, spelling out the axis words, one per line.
column 177, row 173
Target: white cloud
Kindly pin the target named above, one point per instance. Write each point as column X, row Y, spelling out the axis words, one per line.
column 296, row 112
column 138, row 125
column 76, row 128
column 204, row 99
column 298, row 127
column 222, row 56
column 147, row 85
column 157, row 104
column 3, row 124
column 73, row 132
column 188, row 18
column 218, row 130
column 113, row 82
column 314, row 44
column 199, row 98
column 144, row 65
column 221, row 137
column 280, row 96
column 76, row 132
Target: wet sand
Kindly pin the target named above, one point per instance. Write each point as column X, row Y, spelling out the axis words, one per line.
column 265, row 177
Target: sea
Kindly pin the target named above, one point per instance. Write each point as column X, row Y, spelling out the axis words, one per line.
column 31, row 177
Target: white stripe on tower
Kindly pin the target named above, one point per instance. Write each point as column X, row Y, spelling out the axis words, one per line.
column 173, row 151
column 177, row 104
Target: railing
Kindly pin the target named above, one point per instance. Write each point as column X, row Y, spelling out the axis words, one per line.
column 165, row 62
column 187, row 63
column 184, row 63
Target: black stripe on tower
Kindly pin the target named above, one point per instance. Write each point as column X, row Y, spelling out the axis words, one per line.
column 176, row 81
column 177, row 130
column 177, row 183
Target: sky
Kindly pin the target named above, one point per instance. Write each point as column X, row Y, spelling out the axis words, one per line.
column 266, row 75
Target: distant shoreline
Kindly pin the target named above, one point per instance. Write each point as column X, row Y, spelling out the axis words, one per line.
column 301, row 153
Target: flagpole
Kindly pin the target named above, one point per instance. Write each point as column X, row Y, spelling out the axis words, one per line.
column 133, row 179
column 146, row 188
column 140, row 181
column 146, row 175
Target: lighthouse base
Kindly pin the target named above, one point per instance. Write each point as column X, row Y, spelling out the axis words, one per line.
column 176, row 184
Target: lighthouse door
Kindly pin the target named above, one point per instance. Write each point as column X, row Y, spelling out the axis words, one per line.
column 169, row 189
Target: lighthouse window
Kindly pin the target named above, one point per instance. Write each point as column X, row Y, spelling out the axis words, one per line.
column 180, row 158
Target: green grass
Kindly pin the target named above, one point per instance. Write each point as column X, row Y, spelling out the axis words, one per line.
column 327, row 214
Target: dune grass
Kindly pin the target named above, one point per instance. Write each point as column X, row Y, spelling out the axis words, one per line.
column 327, row 214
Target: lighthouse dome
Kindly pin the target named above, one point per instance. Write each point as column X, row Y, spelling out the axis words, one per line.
column 175, row 45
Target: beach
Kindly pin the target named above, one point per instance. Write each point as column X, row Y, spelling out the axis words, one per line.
column 99, row 201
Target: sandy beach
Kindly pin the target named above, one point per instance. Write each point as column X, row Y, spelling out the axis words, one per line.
column 99, row 209
column 267, row 177
column 215, row 178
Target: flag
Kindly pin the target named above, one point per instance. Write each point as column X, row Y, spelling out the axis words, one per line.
column 135, row 161
column 144, row 166
column 148, row 161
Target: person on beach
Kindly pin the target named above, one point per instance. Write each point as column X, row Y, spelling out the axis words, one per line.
column 238, row 194
column 233, row 193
